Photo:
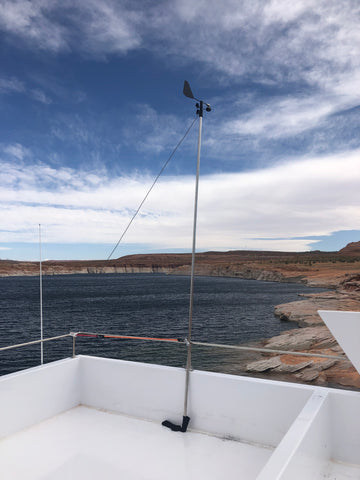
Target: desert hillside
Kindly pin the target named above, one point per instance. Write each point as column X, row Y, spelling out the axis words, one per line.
column 314, row 268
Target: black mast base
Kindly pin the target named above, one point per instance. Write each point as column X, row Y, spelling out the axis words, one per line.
column 177, row 428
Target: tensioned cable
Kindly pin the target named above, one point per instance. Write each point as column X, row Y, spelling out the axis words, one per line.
column 177, row 340
column 207, row 344
column 34, row 342
column 152, row 186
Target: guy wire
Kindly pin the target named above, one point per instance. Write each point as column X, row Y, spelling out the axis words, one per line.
column 152, row 186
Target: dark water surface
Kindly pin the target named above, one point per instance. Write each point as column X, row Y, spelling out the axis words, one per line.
column 226, row 310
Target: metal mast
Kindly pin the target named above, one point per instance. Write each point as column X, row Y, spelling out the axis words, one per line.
column 200, row 112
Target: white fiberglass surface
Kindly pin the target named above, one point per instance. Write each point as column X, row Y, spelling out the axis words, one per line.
column 341, row 471
column 93, row 444
column 345, row 326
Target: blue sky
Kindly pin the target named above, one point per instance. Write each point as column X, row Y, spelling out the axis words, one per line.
column 91, row 106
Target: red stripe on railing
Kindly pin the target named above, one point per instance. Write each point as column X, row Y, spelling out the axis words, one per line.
column 128, row 337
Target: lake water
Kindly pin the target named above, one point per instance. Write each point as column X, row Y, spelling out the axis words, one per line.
column 226, row 310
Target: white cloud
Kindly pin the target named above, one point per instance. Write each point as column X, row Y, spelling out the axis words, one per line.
column 290, row 116
column 275, row 38
column 107, row 26
column 40, row 96
column 272, row 208
column 309, row 50
column 14, row 85
column 16, row 150
column 29, row 20
column 62, row 25
column 9, row 85
column 314, row 41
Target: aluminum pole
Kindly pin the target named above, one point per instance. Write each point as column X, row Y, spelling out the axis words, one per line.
column 191, row 306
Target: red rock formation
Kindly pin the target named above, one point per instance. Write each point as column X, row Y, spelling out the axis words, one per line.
column 351, row 249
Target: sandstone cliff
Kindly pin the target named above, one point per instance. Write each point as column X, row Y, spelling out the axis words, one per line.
column 314, row 268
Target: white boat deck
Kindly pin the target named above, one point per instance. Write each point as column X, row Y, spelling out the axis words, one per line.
column 341, row 471
column 86, row 443
column 95, row 419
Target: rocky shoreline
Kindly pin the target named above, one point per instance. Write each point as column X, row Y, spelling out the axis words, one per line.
column 312, row 336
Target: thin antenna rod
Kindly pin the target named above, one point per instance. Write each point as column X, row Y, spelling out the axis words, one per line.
column 41, row 301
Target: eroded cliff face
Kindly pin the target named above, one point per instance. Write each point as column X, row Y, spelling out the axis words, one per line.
column 210, row 269
column 313, row 268
column 223, row 270
column 8, row 269
column 316, row 266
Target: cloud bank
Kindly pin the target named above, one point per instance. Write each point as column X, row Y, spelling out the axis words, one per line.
column 316, row 41
column 277, row 208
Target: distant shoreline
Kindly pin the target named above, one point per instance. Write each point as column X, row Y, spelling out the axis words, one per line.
column 322, row 269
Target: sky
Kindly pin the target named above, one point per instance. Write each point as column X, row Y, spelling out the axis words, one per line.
column 91, row 107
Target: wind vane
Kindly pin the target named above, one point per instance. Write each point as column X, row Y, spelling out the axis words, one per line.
column 200, row 106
